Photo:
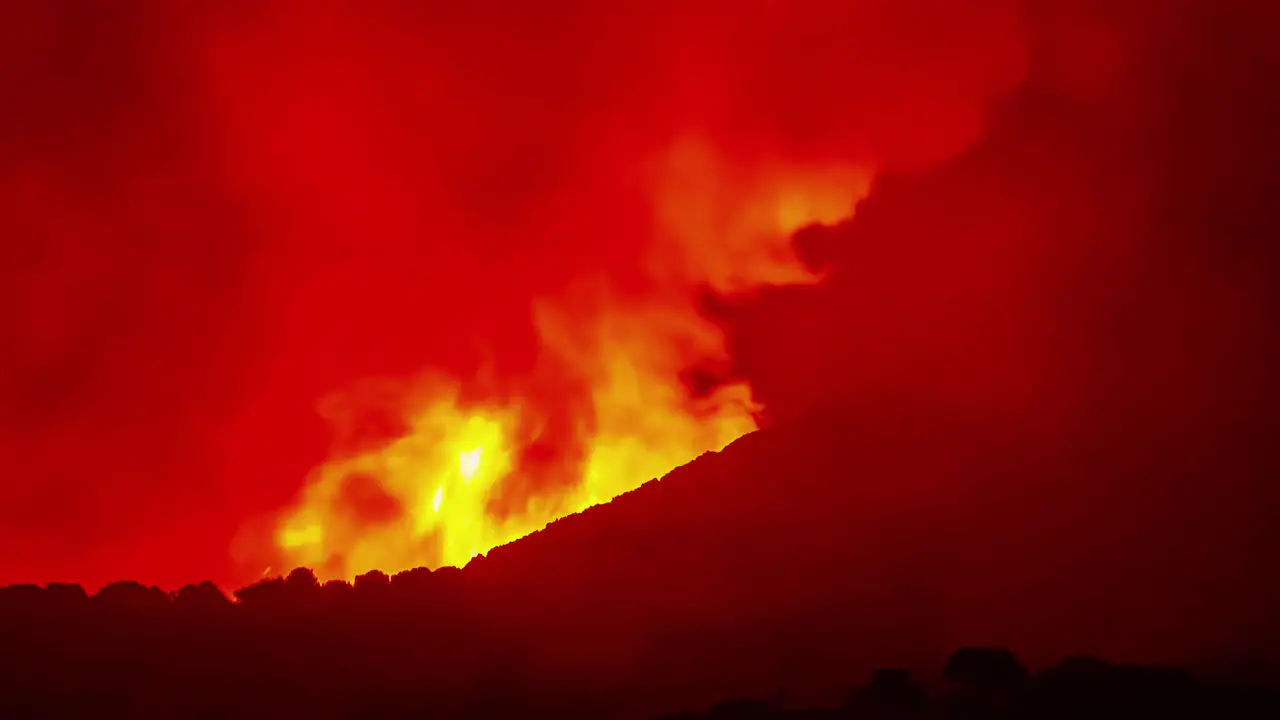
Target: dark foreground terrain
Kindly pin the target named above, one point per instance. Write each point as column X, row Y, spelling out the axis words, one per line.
column 412, row 646
column 703, row 587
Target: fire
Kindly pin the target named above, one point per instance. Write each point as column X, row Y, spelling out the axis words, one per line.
column 469, row 463
column 466, row 476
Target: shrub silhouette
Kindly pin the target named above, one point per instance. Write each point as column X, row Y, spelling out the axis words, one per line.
column 414, row 645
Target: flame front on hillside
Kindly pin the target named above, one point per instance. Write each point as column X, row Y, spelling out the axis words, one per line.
column 481, row 463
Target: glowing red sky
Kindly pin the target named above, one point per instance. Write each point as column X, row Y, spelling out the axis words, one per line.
column 217, row 213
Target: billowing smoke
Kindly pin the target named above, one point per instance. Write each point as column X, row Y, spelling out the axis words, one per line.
column 217, row 215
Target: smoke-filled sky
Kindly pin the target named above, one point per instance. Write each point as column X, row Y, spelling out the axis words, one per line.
column 216, row 214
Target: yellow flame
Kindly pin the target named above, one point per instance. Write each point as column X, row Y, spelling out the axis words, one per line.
column 453, row 473
column 469, row 463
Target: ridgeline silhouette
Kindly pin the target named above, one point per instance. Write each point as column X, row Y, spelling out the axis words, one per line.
column 407, row 646
column 674, row 597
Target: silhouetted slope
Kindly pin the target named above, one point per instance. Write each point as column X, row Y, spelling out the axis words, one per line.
column 889, row 534
column 1031, row 405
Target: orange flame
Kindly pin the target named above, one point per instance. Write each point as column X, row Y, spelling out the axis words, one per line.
column 453, row 484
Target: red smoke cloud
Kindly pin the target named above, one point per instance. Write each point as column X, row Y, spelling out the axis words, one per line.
column 218, row 214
